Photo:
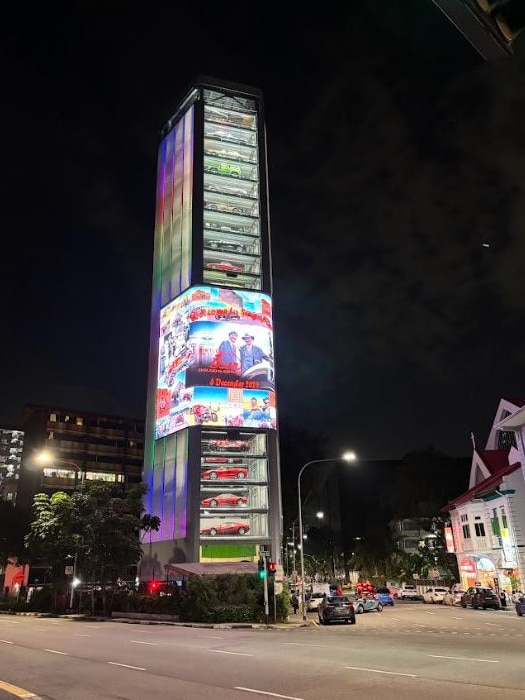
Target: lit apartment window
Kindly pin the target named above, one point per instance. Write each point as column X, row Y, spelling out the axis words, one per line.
column 466, row 532
column 79, row 420
column 480, row 529
column 132, row 443
column 53, row 418
column 66, row 419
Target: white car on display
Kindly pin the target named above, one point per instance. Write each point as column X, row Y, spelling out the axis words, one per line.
column 435, row 594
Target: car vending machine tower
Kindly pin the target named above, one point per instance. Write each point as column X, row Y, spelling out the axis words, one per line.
column 211, row 460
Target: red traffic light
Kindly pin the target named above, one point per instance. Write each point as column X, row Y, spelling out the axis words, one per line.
column 272, row 568
column 154, row 586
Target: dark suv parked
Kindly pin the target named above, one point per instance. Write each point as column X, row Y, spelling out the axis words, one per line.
column 481, row 598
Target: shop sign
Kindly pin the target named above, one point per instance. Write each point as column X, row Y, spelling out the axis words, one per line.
column 449, row 540
column 508, row 553
column 467, row 566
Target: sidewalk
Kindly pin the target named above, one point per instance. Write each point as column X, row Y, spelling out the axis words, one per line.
column 144, row 619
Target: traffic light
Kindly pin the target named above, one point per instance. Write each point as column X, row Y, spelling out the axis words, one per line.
column 262, row 569
column 272, row 568
column 154, row 586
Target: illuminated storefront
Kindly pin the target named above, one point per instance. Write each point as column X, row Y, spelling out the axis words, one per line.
column 211, row 454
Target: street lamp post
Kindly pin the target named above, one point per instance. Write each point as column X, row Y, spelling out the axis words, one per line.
column 347, row 457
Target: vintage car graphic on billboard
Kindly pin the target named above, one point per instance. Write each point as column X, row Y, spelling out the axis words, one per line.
column 216, row 361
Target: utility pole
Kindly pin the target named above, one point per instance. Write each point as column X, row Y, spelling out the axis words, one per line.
column 266, row 605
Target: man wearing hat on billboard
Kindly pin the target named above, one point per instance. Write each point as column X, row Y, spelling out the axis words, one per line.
column 250, row 354
column 229, row 354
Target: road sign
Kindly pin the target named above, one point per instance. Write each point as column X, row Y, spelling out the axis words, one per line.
column 279, row 573
column 278, row 588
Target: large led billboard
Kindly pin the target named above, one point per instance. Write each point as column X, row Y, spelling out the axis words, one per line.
column 216, row 361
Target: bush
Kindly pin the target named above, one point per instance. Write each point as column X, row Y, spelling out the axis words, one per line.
column 225, row 598
column 231, row 613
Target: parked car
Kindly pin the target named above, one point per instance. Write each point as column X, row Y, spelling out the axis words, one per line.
column 226, row 529
column 520, row 607
column 226, row 208
column 408, row 592
column 384, row 596
column 435, row 594
column 223, row 500
column 225, row 473
column 366, row 604
column 314, row 601
column 333, row 608
column 227, row 246
column 479, row 597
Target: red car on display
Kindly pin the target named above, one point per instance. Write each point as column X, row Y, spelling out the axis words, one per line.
column 224, row 500
column 227, row 445
column 223, row 267
column 226, row 529
column 225, row 473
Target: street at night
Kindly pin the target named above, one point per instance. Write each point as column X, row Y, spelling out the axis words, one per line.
column 409, row 651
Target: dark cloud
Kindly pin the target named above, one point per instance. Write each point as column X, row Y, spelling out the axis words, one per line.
column 394, row 155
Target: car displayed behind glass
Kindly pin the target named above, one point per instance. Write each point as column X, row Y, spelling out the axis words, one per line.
column 479, row 597
column 336, row 608
column 226, row 529
column 225, row 473
column 230, row 445
column 231, row 169
column 223, row 500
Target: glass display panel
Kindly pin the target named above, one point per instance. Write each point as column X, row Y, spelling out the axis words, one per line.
column 231, row 192
column 216, row 361
column 234, row 490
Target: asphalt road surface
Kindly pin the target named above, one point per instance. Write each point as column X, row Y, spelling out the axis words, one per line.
column 409, row 651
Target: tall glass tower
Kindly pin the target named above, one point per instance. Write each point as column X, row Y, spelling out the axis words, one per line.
column 211, row 459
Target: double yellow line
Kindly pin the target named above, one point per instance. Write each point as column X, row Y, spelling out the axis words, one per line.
column 18, row 692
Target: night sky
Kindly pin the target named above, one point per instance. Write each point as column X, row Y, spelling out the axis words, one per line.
column 394, row 154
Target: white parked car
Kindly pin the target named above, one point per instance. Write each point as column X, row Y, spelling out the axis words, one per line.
column 408, row 592
column 313, row 601
column 435, row 594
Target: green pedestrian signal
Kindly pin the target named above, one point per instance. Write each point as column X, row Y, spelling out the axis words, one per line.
column 262, row 568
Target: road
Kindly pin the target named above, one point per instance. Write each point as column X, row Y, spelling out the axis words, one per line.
column 407, row 652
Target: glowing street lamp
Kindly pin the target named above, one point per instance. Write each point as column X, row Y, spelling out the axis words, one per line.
column 46, row 457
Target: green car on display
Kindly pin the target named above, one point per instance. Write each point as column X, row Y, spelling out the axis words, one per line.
column 231, row 169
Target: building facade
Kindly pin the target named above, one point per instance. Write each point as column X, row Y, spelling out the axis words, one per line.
column 11, row 446
column 488, row 520
column 80, row 444
column 211, row 460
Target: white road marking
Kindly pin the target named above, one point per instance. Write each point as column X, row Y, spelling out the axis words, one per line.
column 94, row 627
column 265, row 692
column 235, row 653
column 492, row 624
column 4, row 641
column 211, row 636
column 398, row 619
column 376, row 670
column 457, row 618
column 54, row 651
column 464, row 658
column 81, row 635
column 430, row 613
column 414, row 624
column 299, row 644
column 11, row 622
column 151, row 644
column 135, row 668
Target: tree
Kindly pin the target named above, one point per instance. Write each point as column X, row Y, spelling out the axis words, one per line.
column 97, row 524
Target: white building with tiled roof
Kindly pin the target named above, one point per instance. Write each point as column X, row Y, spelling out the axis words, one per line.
column 488, row 520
